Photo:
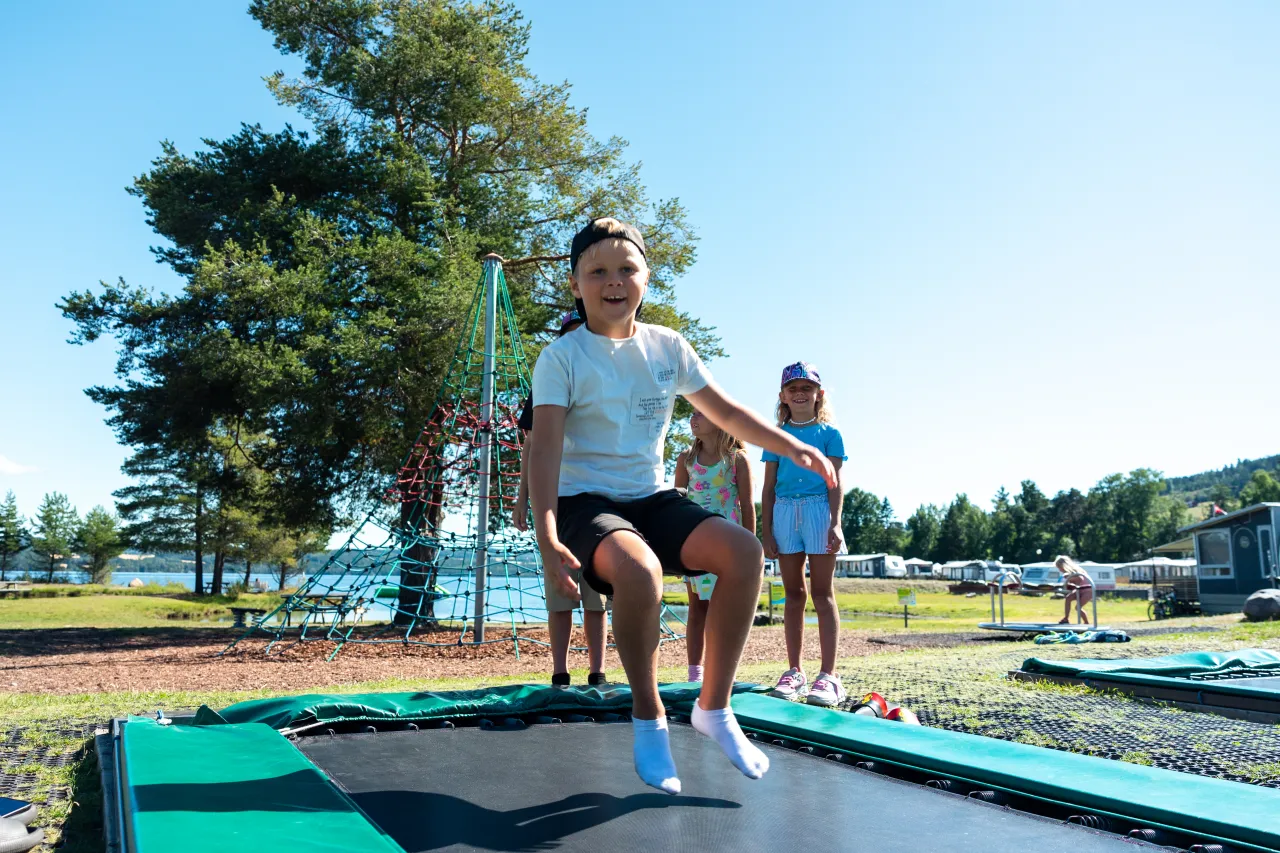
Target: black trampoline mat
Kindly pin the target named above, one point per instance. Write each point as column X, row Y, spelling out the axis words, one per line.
column 572, row 788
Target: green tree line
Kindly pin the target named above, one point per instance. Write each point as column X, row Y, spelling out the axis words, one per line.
column 1120, row 518
column 57, row 534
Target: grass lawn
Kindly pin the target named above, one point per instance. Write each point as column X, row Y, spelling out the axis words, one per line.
column 114, row 608
column 937, row 610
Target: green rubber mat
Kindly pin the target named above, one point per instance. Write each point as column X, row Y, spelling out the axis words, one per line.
column 214, row 789
column 1189, row 665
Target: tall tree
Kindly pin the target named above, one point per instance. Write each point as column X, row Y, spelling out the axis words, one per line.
column 98, row 537
column 56, row 522
column 328, row 274
column 963, row 533
column 167, row 508
column 861, row 522
column 1261, row 488
column 923, row 528
column 13, row 532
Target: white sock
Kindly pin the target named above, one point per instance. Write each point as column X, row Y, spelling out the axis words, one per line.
column 695, row 672
column 652, row 751
column 722, row 727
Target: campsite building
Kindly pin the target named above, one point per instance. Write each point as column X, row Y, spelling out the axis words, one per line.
column 1236, row 555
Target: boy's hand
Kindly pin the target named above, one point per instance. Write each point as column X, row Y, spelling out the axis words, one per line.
column 835, row 539
column 520, row 515
column 559, row 564
column 770, row 546
column 810, row 459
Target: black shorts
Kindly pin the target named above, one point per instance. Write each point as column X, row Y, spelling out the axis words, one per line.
column 664, row 521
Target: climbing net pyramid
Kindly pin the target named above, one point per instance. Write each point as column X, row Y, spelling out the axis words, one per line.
column 440, row 563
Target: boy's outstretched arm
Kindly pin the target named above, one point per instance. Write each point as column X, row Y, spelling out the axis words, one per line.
column 739, row 421
column 544, row 452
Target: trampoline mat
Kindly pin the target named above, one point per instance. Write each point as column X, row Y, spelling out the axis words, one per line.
column 572, row 788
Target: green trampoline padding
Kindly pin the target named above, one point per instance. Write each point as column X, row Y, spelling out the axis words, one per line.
column 1230, row 811
column 292, row 712
column 1169, row 666
column 230, row 777
column 213, row 789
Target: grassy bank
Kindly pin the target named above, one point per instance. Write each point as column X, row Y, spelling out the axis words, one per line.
column 86, row 608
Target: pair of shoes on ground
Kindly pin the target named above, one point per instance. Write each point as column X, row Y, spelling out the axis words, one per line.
column 826, row 691
column 561, row 679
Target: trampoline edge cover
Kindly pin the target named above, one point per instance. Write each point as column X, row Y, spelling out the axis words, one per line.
column 210, row 789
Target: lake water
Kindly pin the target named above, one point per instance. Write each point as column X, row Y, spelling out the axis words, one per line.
column 515, row 598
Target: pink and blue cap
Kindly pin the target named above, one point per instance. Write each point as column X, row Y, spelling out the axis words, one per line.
column 800, row 370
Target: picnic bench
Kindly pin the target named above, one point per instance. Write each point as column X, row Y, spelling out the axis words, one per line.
column 326, row 604
column 14, row 588
column 241, row 612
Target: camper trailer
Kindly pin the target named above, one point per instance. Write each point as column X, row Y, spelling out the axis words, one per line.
column 918, row 568
column 1045, row 576
column 870, row 566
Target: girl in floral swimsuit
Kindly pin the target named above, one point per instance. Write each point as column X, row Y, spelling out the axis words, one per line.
column 715, row 472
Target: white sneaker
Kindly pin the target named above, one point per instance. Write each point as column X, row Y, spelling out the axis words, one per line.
column 791, row 686
column 826, row 691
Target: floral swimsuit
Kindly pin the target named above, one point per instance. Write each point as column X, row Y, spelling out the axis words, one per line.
column 714, row 488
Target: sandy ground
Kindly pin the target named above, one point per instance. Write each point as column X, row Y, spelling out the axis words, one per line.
column 90, row 660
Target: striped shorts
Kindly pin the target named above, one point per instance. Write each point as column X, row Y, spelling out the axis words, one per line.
column 800, row 525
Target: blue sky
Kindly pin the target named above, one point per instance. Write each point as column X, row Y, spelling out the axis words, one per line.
column 1020, row 240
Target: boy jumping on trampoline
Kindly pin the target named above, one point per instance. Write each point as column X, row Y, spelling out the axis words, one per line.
column 603, row 397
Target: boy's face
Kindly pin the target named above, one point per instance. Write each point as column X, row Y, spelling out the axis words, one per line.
column 610, row 280
column 801, row 396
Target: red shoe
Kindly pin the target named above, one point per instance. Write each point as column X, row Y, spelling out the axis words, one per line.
column 872, row 705
column 902, row 715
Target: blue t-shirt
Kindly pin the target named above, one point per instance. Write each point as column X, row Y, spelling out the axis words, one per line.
column 794, row 481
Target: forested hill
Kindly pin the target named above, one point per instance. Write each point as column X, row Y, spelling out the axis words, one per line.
column 1232, row 476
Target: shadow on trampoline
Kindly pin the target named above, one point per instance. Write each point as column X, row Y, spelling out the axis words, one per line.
column 422, row 821
column 307, row 791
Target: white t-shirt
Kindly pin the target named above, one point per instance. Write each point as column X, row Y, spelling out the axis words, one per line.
column 619, row 395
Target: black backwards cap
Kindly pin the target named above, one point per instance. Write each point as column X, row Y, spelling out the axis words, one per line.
column 594, row 231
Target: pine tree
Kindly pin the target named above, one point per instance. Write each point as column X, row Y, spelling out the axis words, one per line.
column 55, row 529
column 14, row 537
column 100, row 540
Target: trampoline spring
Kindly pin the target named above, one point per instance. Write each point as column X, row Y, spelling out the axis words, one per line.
column 1146, row 834
column 1090, row 821
column 410, row 727
column 807, row 750
column 753, row 736
column 486, row 724
column 866, row 765
column 514, row 724
column 835, row 756
column 1207, row 848
column 940, row 784
column 547, row 721
column 988, row 797
column 370, row 730
column 778, row 742
column 577, row 718
column 330, row 732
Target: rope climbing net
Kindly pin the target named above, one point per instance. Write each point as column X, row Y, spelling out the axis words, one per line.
column 440, row 562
